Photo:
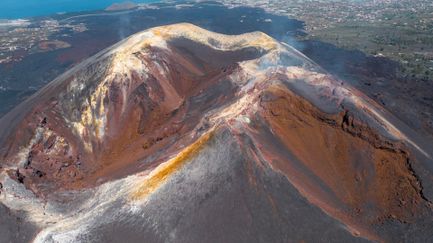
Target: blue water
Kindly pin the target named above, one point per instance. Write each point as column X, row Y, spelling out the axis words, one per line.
column 13, row 9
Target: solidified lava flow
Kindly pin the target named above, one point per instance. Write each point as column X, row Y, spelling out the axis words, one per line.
column 178, row 134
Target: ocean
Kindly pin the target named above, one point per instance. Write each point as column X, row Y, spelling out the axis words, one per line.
column 14, row 9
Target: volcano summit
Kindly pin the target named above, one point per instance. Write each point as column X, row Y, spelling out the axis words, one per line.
column 178, row 134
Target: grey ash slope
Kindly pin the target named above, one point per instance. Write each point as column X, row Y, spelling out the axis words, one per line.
column 214, row 199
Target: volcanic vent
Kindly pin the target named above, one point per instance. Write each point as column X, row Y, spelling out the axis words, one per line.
column 178, row 134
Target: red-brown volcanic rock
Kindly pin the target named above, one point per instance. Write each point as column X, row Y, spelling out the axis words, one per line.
column 360, row 167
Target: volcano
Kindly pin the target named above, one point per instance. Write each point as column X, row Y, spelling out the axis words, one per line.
column 178, row 134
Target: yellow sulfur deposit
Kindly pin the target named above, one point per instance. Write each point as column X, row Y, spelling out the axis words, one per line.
column 158, row 176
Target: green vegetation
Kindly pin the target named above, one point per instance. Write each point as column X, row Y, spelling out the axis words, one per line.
column 412, row 48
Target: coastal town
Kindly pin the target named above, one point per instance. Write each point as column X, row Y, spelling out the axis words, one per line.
column 19, row 38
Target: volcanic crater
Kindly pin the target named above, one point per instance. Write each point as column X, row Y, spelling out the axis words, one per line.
column 233, row 138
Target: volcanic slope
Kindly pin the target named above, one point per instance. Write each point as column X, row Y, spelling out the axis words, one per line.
column 178, row 134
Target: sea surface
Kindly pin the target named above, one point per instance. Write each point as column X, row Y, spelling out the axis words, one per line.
column 14, row 9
